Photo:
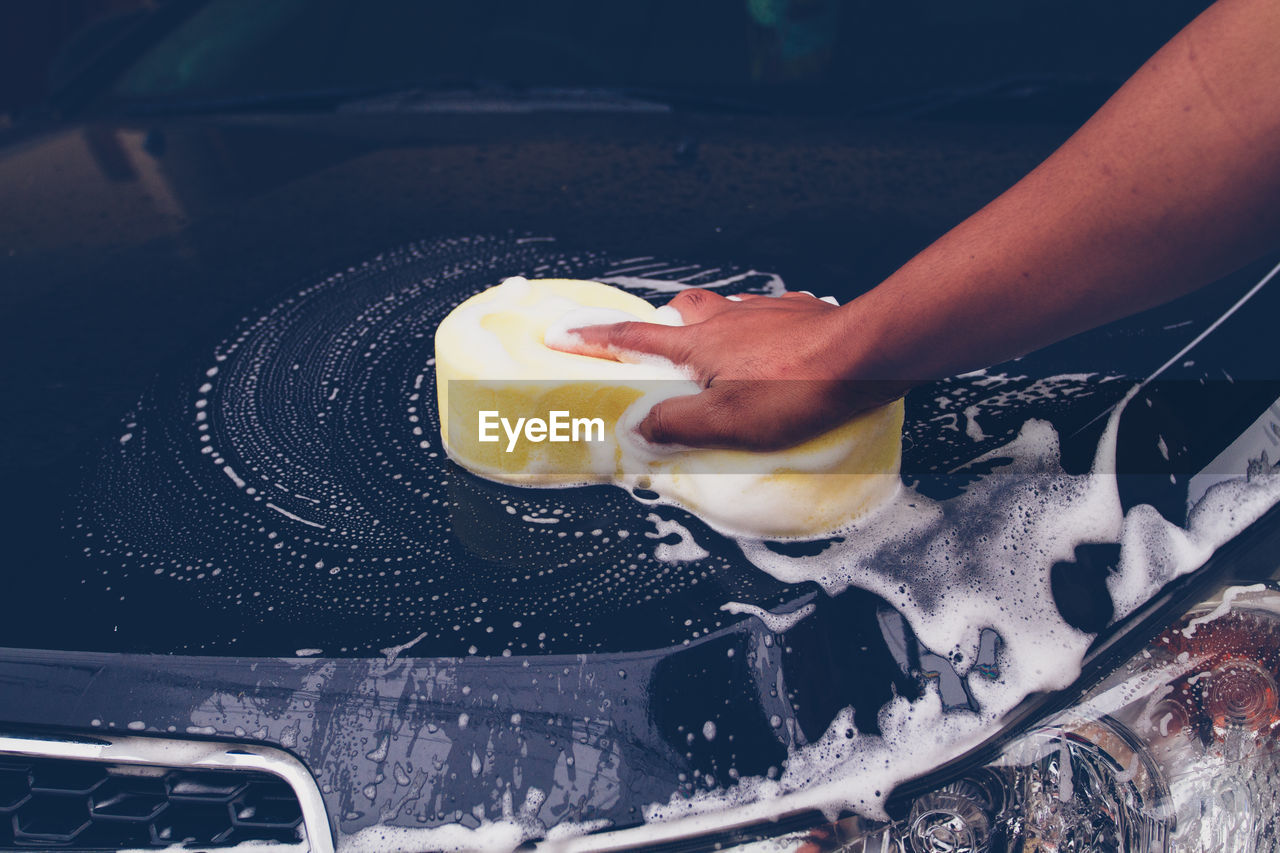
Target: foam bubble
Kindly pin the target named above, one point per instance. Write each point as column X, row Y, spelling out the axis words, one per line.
column 779, row 623
column 683, row 550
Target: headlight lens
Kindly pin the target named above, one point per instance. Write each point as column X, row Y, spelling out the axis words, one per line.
column 1210, row 720
column 1176, row 750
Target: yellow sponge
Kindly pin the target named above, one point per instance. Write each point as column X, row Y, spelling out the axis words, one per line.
column 493, row 369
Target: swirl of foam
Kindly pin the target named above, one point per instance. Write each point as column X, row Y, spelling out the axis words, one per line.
column 286, row 491
column 294, row 482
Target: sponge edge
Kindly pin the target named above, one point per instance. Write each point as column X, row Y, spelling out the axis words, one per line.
column 492, row 356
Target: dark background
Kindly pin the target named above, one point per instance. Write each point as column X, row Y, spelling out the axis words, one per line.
column 137, row 238
column 870, row 52
column 34, row 32
column 143, row 225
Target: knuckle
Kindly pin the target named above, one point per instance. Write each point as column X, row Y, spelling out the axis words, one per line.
column 624, row 335
column 692, row 298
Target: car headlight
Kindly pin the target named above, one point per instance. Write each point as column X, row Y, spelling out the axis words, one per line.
column 1176, row 749
column 1172, row 747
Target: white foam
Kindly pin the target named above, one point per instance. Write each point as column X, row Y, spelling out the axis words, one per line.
column 668, row 316
column 561, row 334
column 685, row 550
column 950, row 583
column 1228, row 599
column 924, row 558
column 1154, row 551
column 952, row 568
column 296, row 518
column 955, row 567
column 449, row 838
column 393, row 652
column 971, row 427
column 659, row 285
column 504, row 834
column 778, row 623
column 762, row 494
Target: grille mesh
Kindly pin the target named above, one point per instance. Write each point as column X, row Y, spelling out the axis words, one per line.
column 58, row 802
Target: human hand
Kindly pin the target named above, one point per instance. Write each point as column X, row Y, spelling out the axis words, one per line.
column 775, row 371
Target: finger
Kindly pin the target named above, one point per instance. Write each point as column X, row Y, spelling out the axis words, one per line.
column 696, row 305
column 624, row 341
column 695, row 420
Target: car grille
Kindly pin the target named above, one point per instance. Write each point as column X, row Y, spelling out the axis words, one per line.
column 68, row 803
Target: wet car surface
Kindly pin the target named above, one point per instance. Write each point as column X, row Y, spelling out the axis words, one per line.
column 146, row 591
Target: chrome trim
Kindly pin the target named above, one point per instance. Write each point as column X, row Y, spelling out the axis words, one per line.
column 699, row 827
column 187, row 754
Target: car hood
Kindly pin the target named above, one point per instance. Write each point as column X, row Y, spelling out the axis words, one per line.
column 129, row 248
column 139, row 257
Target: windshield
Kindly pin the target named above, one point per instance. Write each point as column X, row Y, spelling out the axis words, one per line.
column 236, row 47
column 803, row 54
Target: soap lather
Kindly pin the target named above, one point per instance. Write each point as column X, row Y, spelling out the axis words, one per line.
column 494, row 370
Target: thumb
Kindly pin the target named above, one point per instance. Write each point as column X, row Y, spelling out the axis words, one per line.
column 704, row 419
column 624, row 341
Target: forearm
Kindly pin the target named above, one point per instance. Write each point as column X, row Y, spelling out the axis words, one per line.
column 1172, row 184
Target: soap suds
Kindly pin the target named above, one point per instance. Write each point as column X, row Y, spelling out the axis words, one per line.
column 1153, row 551
column 651, row 284
column 321, row 404
column 922, row 557
column 971, row 427
column 953, row 568
column 1228, row 599
column 393, row 652
column 684, row 550
column 271, row 444
column 948, row 595
column 537, row 323
column 778, row 623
